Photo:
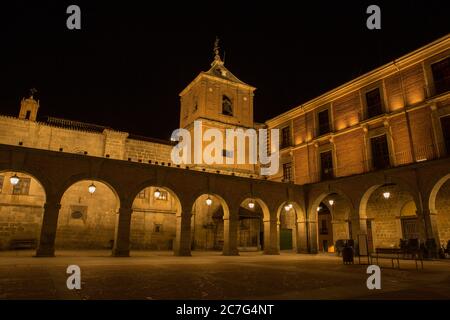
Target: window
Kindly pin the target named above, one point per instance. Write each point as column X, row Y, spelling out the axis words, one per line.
column 287, row 172
column 227, row 153
column 324, row 122
column 157, row 228
column 227, row 106
column 326, row 165
column 23, row 187
column 2, row 178
column 441, row 75
column 162, row 195
column 142, row 194
column 380, row 152
column 27, row 116
column 410, row 229
column 373, row 102
column 285, row 137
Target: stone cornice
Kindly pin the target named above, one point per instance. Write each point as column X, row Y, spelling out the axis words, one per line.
column 209, row 77
column 384, row 71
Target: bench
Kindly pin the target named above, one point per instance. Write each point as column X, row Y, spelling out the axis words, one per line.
column 17, row 244
column 397, row 254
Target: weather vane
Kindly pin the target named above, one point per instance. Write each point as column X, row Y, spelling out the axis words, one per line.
column 32, row 92
column 216, row 49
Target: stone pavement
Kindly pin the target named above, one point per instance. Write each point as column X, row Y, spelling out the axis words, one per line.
column 209, row 275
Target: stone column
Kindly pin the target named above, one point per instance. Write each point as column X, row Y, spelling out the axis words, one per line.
column 122, row 235
column 302, row 241
column 438, row 142
column 312, row 229
column 294, row 238
column 46, row 246
column 182, row 246
column 359, row 226
column 230, row 234
column 428, row 225
column 271, row 237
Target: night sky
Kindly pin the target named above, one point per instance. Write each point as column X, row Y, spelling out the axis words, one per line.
column 128, row 63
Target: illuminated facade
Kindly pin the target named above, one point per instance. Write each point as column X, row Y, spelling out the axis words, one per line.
column 369, row 157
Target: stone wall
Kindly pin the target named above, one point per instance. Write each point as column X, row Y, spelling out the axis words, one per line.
column 144, row 151
column 20, row 215
column 94, row 225
column 32, row 134
column 207, row 224
column 153, row 221
column 109, row 143
column 403, row 93
column 385, row 216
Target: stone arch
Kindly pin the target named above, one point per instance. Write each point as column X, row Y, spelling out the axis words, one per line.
column 43, row 181
column 207, row 221
column 22, row 218
column 388, row 213
column 291, row 226
column 335, row 221
column 252, row 220
column 176, row 194
column 258, row 198
column 87, row 220
column 362, row 203
column 434, row 191
column 154, row 219
column 299, row 212
column 322, row 196
column 439, row 213
column 89, row 177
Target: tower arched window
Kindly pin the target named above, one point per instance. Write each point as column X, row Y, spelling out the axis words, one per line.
column 227, row 106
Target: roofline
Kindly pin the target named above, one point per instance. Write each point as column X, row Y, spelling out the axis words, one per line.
column 204, row 74
column 385, row 70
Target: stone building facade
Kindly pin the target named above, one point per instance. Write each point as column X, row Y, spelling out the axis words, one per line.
column 367, row 158
column 393, row 116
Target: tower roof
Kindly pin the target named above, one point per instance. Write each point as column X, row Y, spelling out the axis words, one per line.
column 218, row 70
column 218, row 67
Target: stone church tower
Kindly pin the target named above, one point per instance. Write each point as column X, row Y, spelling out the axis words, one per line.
column 222, row 101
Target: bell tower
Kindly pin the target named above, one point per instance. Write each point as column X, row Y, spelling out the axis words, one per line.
column 29, row 107
column 217, row 95
column 220, row 101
